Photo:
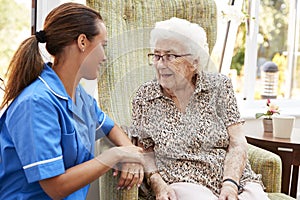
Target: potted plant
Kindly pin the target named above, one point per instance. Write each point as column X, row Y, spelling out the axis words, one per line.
column 267, row 121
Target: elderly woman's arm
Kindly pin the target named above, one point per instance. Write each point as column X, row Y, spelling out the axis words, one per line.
column 235, row 162
column 161, row 189
column 236, row 156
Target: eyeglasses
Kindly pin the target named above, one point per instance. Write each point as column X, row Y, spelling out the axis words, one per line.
column 154, row 58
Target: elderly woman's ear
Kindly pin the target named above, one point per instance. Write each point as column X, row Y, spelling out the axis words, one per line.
column 196, row 64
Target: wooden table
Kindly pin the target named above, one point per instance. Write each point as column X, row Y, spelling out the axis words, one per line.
column 287, row 149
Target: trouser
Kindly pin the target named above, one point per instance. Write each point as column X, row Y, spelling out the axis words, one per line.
column 190, row 191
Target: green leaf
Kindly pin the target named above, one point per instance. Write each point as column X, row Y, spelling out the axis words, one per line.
column 258, row 115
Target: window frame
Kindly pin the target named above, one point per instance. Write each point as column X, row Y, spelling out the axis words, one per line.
column 247, row 104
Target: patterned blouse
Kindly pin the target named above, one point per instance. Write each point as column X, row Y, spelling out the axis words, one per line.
column 190, row 146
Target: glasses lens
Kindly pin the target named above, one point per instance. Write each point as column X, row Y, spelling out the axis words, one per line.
column 169, row 57
column 156, row 57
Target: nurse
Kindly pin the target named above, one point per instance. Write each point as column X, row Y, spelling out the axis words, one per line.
column 49, row 123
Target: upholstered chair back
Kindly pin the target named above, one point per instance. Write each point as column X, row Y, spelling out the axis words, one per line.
column 128, row 24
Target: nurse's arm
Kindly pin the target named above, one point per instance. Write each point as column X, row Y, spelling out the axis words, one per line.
column 131, row 173
column 118, row 137
column 74, row 178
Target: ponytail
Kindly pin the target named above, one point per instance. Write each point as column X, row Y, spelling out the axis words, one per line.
column 25, row 66
column 62, row 25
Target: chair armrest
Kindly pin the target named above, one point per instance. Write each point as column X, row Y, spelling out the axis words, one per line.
column 268, row 165
column 108, row 188
column 279, row 196
column 108, row 182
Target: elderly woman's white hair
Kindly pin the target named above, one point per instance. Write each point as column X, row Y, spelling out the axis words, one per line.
column 192, row 35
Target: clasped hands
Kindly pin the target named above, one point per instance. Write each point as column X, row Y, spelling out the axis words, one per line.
column 129, row 160
column 131, row 174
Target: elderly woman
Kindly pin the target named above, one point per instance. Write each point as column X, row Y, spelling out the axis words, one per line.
column 190, row 121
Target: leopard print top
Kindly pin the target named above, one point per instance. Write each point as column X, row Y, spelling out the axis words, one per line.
column 190, row 146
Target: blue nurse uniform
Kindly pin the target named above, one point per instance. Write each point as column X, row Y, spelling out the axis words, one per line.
column 43, row 133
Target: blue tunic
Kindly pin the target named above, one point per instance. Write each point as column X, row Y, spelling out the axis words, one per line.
column 43, row 133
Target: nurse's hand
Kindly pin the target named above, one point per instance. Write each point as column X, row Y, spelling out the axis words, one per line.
column 131, row 174
column 123, row 154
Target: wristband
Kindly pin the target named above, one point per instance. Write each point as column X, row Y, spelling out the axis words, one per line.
column 239, row 187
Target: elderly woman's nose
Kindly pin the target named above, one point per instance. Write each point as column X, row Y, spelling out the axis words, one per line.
column 104, row 58
column 161, row 64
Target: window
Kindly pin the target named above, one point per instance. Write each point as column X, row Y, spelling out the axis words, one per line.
column 14, row 28
column 27, row 18
column 277, row 41
column 270, row 33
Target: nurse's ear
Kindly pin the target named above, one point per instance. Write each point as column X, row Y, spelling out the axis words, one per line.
column 82, row 42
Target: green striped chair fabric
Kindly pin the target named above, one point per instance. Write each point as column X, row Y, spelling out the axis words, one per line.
column 128, row 24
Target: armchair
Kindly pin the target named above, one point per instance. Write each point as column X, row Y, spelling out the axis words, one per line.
column 128, row 24
column 269, row 166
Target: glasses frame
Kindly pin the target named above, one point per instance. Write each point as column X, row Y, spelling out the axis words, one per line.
column 163, row 57
column 2, row 85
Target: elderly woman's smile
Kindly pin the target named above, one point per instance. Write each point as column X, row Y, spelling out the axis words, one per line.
column 166, row 75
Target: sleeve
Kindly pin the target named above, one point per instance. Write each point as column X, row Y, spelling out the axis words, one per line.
column 104, row 122
column 36, row 133
column 137, row 128
column 227, row 104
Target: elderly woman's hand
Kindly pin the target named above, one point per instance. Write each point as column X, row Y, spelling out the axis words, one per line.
column 162, row 190
column 131, row 174
column 228, row 192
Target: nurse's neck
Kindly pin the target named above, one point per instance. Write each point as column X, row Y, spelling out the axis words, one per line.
column 73, row 93
column 69, row 79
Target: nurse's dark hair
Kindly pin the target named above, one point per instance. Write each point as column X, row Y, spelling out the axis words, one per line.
column 62, row 27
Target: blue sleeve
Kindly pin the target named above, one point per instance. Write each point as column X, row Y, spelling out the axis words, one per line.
column 36, row 134
column 105, row 123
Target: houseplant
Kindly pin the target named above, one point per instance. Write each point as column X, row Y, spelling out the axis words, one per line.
column 267, row 121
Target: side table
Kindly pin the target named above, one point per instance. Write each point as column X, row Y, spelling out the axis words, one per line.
column 287, row 149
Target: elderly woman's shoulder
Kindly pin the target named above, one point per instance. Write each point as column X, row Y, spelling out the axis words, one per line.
column 148, row 90
column 215, row 77
column 214, row 81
